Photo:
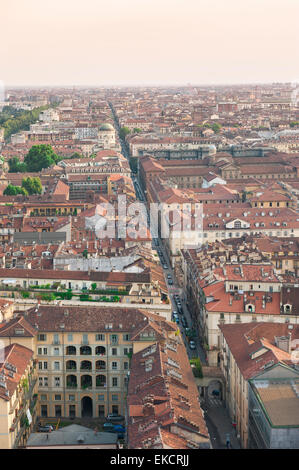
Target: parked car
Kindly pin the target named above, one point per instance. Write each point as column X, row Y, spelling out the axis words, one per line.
column 108, row 427
column 114, row 418
column 170, row 282
column 169, row 276
column 44, row 428
column 116, row 428
column 184, row 322
column 165, row 266
column 192, row 345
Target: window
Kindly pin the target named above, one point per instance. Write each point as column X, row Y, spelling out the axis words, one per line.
column 101, row 410
column 56, row 338
column 114, row 365
column 101, row 397
column 43, row 397
column 100, row 337
column 45, row 365
column 56, row 365
column 115, row 409
column 57, row 381
column 71, row 397
column 70, row 337
column 126, row 337
column 43, row 381
column 56, row 351
column 114, row 397
column 41, row 337
column 57, row 411
column 114, row 381
column 39, row 351
column 72, row 411
column 85, row 339
column 126, row 365
column 44, row 410
column 114, row 351
column 57, row 398
column 126, row 351
column 114, row 339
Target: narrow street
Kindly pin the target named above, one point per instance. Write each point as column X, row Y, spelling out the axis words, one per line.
column 219, row 425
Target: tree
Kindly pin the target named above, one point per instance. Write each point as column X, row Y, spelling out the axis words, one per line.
column 12, row 190
column 14, row 120
column 137, row 130
column 196, row 367
column 123, row 132
column 216, row 127
column 15, row 166
column 39, row 157
column 32, row 185
column 76, row 155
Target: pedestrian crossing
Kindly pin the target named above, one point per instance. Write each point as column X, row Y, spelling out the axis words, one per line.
column 214, row 402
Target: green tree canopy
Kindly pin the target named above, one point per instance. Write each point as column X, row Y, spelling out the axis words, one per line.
column 39, row 157
column 123, row 132
column 15, row 166
column 12, row 190
column 32, row 185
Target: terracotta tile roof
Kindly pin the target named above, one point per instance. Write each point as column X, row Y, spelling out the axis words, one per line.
column 162, row 393
column 93, row 319
column 20, row 357
column 246, row 338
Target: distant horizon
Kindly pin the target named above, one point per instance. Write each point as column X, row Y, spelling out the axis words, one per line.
column 155, row 85
column 148, row 43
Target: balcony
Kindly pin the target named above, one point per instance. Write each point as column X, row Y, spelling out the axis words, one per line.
column 71, row 386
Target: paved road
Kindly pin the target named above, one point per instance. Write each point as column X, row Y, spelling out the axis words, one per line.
column 175, row 289
column 219, row 425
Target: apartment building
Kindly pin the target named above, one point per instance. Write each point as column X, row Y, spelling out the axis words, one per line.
column 18, row 383
column 83, row 355
column 261, row 383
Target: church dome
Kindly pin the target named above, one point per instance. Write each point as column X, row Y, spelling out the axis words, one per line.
column 106, row 127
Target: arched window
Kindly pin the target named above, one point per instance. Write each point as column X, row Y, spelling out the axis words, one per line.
column 71, row 381
column 100, row 351
column 71, row 365
column 86, row 381
column 100, row 365
column 85, row 365
column 85, row 350
column 71, row 351
column 100, row 381
column 287, row 308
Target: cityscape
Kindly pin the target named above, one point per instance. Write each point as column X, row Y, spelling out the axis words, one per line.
column 149, row 256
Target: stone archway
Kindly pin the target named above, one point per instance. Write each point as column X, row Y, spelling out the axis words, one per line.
column 86, row 407
column 215, row 389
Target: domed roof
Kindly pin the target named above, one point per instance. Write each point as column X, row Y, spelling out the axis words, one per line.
column 106, row 127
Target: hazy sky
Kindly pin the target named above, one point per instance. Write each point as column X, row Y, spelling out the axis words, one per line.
column 109, row 42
